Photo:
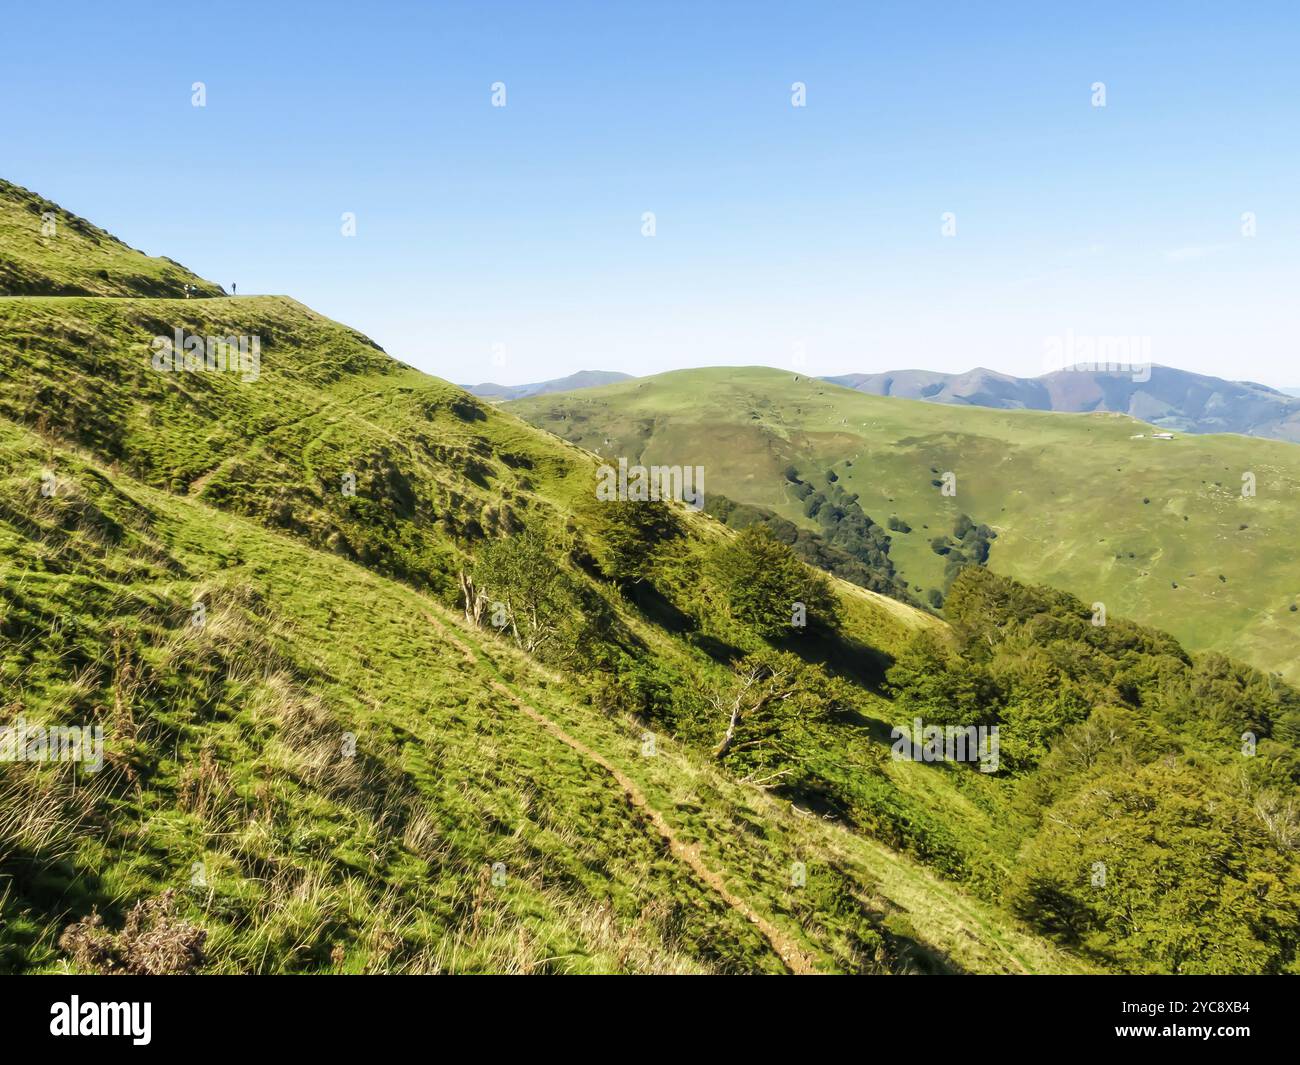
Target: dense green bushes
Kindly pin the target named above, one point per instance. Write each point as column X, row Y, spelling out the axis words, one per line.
column 968, row 545
column 759, row 582
column 1155, row 869
column 1159, row 791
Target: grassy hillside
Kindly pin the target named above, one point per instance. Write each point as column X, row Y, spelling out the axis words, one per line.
column 1158, row 530
column 315, row 861
column 277, row 593
column 226, row 749
column 333, row 617
column 48, row 251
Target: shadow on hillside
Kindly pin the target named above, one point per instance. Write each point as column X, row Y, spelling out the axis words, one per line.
column 658, row 609
column 878, row 731
column 859, row 662
column 910, row 955
column 817, row 798
column 719, row 650
column 59, row 890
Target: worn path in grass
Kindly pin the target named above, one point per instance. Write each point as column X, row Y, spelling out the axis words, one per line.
column 795, row 958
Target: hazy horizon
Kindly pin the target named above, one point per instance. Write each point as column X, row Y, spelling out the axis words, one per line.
column 794, row 369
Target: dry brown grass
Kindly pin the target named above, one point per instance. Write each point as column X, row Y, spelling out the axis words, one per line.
column 42, row 808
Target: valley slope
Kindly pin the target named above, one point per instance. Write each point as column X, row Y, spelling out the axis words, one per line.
column 386, row 687
column 1157, row 530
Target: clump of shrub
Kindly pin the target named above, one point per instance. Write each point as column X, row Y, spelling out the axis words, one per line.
column 154, row 941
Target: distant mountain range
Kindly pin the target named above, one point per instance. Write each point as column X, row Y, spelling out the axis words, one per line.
column 1171, row 399
column 581, row 379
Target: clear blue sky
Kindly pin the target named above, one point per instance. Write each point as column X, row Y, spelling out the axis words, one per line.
column 778, row 229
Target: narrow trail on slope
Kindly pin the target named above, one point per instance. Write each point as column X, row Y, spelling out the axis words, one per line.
column 796, row 959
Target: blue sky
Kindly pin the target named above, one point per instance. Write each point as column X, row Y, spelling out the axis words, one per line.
column 506, row 243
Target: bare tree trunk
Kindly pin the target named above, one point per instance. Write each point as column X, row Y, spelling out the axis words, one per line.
column 723, row 747
column 740, row 710
column 475, row 600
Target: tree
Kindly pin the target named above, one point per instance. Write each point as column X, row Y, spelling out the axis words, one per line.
column 629, row 533
column 521, row 588
column 763, row 584
column 765, row 714
column 1156, row 870
column 930, row 681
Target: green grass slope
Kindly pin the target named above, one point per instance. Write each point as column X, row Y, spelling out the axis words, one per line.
column 334, row 771
column 1158, row 530
column 319, row 759
column 48, row 251
column 225, row 749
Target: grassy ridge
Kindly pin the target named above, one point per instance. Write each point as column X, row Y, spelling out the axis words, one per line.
column 48, row 251
column 332, row 614
column 1148, row 527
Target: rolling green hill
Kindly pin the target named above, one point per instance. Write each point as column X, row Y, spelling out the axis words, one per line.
column 225, row 748
column 497, row 812
column 1157, row 530
column 384, row 688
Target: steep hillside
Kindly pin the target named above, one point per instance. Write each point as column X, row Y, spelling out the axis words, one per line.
column 1172, row 399
column 47, row 251
column 235, row 730
column 251, row 578
column 1158, row 530
column 228, row 775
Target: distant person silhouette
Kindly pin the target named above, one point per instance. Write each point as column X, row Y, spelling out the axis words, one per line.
column 234, row 289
